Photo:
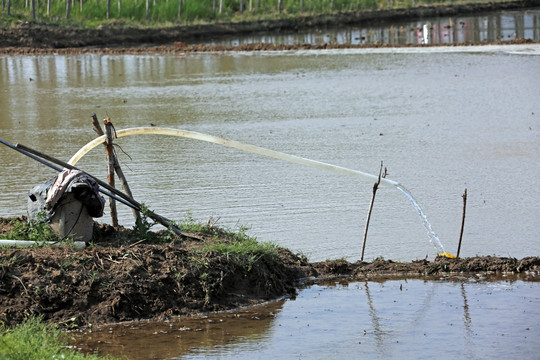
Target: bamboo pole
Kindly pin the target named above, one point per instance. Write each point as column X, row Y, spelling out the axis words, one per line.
column 462, row 221
column 110, row 168
column 125, row 186
column 375, row 187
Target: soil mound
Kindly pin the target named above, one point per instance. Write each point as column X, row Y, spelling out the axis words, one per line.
column 114, row 281
column 104, row 284
column 441, row 266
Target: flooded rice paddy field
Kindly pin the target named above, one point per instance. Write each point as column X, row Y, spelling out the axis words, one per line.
column 441, row 119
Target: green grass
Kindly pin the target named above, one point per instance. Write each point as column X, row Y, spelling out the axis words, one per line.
column 235, row 243
column 190, row 224
column 35, row 230
column 245, row 251
column 227, row 241
column 242, row 249
column 165, row 12
column 143, row 226
column 34, row 340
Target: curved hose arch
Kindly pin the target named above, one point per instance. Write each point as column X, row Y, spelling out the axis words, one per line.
column 434, row 239
column 233, row 144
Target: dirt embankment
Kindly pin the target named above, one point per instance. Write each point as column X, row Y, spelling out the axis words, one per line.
column 40, row 35
column 200, row 48
column 114, row 281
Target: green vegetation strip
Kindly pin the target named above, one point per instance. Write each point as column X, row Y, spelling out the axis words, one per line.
column 237, row 245
column 37, row 230
column 36, row 340
column 90, row 13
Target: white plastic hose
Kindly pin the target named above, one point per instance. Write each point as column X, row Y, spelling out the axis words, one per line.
column 230, row 143
column 5, row 242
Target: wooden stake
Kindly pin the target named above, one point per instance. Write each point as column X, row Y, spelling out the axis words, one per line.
column 97, row 126
column 462, row 222
column 117, row 168
column 125, row 186
column 110, row 168
column 375, row 187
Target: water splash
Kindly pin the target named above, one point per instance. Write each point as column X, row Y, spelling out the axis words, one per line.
column 433, row 238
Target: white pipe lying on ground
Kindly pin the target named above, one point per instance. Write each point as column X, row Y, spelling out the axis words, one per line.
column 230, row 143
column 6, row 242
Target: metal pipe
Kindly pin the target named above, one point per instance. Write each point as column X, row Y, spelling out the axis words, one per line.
column 30, row 155
column 36, row 155
column 126, row 200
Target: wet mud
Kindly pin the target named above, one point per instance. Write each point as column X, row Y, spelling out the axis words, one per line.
column 118, row 280
column 182, row 49
column 42, row 38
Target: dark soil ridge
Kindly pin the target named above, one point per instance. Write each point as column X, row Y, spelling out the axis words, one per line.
column 42, row 35
column 197, row 49
column 115, row 282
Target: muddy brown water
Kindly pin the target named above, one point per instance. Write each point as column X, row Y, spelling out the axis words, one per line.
column 442, row 120
column 445, row 319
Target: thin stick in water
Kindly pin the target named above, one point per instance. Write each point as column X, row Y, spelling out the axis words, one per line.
column 462, row 222
column 375, row 187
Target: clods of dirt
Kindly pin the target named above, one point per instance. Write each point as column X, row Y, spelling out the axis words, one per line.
column 104, row 284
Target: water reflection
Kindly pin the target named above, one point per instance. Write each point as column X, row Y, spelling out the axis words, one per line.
column 495, row 26
column 457, row 318
column 375, row 321
column 467, row 324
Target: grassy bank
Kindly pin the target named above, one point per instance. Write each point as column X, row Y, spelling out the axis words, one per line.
column 33, row 339
column 92, row 13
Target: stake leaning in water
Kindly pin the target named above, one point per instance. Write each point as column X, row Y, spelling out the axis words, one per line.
column 375, row 187
column 462, row 222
